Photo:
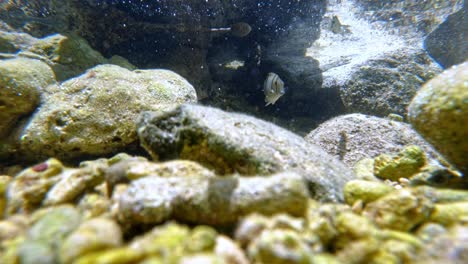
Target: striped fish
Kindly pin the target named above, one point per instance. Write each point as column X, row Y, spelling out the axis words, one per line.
column 273, row 88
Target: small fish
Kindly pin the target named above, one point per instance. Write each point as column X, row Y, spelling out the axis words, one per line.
column 273, row 88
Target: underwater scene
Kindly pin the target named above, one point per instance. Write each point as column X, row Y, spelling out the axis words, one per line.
column 233, row 131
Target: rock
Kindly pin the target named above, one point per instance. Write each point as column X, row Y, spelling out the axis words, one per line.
column 230, row 142
column 251, row 226
column 94, row 113
column 70, row 55
column 54, row 225
column 155, row 199
column 382, row 66
column 447, row 43
column 4, row 181
column 73, row 182
column 11, row 229
column 50, row 183
column 439, row 112
column 366, row 191
column 93, row 205
column 400, row 210
column 351, row 227
column 447, row 247
column 279, row 246
column 29, row 187
column 11, row 42
column 229, row 251
column 31, row 252
column 405, row 164
column 364, row 170
column 92, row 235
column 21, row 82
column 451, row 213
column 47, row 234
column 386, row 85
column 353, row 137
column 118, row 256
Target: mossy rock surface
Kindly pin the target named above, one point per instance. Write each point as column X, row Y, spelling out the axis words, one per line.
column 439, row 111
column 21, row 83
column 95, row 113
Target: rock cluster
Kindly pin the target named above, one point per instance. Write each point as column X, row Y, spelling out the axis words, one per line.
column 101, row 163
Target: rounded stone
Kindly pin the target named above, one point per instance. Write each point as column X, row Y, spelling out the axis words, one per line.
column 93, row 235
column 21, row 81
column 439, row 112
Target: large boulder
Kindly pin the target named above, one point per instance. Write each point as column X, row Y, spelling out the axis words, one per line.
column 21, row 83
column 356, row 136
column 94, row 114
column 447, row 44
column 371, row 52
column 69, row 56
column 231, row 142
column 439, row 111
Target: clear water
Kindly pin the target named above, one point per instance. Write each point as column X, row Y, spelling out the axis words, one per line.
column 315, row 46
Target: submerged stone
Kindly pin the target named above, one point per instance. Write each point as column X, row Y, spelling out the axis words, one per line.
column 231, row 142
column 354, row 137
column 215, row 201
column 367, row 191
column 400, row 210
column 21, row 83
column 94, row 113
column 93, row 235
column 439, row 111
column 402, row 165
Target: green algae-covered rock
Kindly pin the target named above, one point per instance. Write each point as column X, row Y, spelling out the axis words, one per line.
column 73, row 182
column 278, row 247
column 400, row 210
column 11, row 42
column 30, row 186
column 367, row 191
column 439, row 111
column 94, row 205
column 31, row 252
column 71, row 55
column 92, row 235
column 47, row 235
column 21, row 82
column 55, row 224
column 215, row 201
column 50, row 183
column 364, row 170
column 402, row 165
column 202, row 238
column 233, row 142
column 95, row 113
column 450, row 213
column 350, row 227
column 122, row 255
column 251, row 226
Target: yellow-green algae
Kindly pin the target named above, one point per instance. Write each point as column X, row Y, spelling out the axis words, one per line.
column 439, row 112
column 402, row 165
column 366, row 191
column 386, row 230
